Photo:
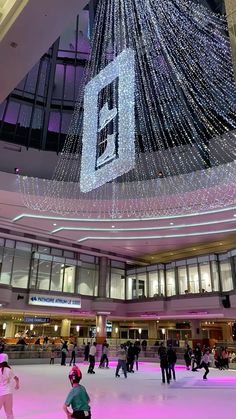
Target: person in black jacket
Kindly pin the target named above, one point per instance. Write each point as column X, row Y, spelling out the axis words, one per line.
column 187, row 356
column 86, row 352
column 172, row 358
column 130, row 358
column 164, row 365
column 137, row 350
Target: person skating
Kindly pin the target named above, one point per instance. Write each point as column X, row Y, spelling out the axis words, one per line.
column 187, row 357
column 137, row 351
column 77, row 398
column 164, row 365
column 104, row 357
column 205, row 363
column 72, row 361
column 86, row 352
column 172, row 358
column 92, row 353
column 121, row 354
column 130, row 358
column 6, row 378
column 64, row 352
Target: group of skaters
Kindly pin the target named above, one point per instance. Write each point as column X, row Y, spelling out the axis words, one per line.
column 202, row 357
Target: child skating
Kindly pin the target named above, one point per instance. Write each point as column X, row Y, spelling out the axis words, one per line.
column 77, row 398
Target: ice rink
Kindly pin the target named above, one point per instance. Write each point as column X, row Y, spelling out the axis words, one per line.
column 142, row 395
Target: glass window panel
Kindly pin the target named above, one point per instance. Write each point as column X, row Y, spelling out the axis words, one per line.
column 88, row 279
column 54, row 122
column 33, row 273
column 117, row 264
column 12, row 112
column 79, row 80
column 117, row 288
column 43, row 280
column 205, row 277
column 129, row 285
column 25, row 115
column 69, row 279
column 7, row 266
column 2, row 109
column 142, row 285
column 87, row 258
column 1, row 254
column 7, row 262
column 57, row 276
column 170, row 282
column 56, row 252
column 153, row 284
column 10, row 244
column 58, row 81
column 37, row 118
column 65, row 123
column 215, row 276
column 162, row 282
column 193, row 280
column 43, row 249
column 226, row 276
column 73, row 262
column 69, row 83
column 68, row 254
column 183, row 279
column 32, row 79
column 43, row 77
column 20, row 273
column 24, row 246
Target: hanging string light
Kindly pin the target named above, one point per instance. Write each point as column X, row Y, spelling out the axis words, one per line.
column 185, row 116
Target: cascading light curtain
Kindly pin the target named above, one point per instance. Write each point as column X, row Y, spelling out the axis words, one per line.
column 185, row 115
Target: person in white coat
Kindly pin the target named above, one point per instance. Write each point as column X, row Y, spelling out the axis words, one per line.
column 7, row 378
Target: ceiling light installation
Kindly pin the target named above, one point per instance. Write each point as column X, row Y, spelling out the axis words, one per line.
column 185, row 108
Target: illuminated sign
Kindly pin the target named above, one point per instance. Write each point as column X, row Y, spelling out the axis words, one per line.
column 52, row 301
column 114, row 123
column 36, row 320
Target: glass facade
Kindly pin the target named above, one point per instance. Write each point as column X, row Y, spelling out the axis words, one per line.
column 37, row 267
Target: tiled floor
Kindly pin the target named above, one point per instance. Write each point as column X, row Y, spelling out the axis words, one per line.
column 142, row 395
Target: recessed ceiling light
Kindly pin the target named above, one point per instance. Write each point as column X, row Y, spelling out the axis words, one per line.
column 194, row 248
column 220, row 244
column 171, row 224
column 113, row 226
column 234, row 215
column 54, row 224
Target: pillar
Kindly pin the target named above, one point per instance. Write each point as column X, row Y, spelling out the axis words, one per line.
column 196, row 331
column 65, row 328
column 152, row 332
column 227, row 332
column 101, row 328
column 10, row 330
column 103, row 275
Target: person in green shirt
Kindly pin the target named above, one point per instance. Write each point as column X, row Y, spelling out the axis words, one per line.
column 77, row 398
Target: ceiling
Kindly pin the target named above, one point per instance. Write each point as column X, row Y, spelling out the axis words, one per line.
column 134, row 240
column 148, row 240
column 22, row 48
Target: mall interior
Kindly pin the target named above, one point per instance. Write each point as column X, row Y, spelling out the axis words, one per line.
column 93, row 276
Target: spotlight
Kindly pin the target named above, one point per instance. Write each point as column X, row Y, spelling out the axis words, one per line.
column 160, row 174
column 17, row 170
